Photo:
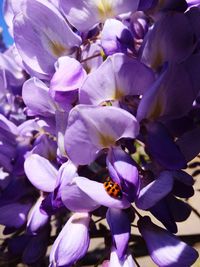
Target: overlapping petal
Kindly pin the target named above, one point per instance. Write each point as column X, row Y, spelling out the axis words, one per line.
column 92, row 128
column 122, row 78
column 40, row 40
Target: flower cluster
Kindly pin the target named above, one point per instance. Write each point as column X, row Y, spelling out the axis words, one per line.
column 99, row 115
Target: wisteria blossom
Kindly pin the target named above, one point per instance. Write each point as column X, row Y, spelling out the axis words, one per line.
column 99, row 120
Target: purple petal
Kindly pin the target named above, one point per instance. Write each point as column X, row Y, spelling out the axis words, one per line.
column 36, row 248
column 67, row 249
column 120, row 226
column 179, row 209
column 171, row 97
column 116, row 37
column 85, row 14
column 37, row 220
column 44, row 175
column 92, row 128
column 123, row 171
column 161, row 210
column 41, row 41
column 162, row 148
column 166, row 41
column 155, row 191
column 97, row 192
column 123, row 78
column 14, row 215
column 69, row 75
column 189, row 143
column 77, row 200
column 36, row 96
column 166, row 249
column 116, row 262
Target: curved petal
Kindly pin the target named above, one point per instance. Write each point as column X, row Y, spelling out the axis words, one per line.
column 40, row 40
column 120, row 226
column 116, row 262
column 155, row 191
column 166, row 249
column 67, row 249
column 40, row 173
column 123, row 77
column 14, row 215
column 85, row 14
column 36, row 96
column 97, row 192
column 92, row 128
column 123, row 171
column 37, row 220
column 69, row 75
column 77, row 200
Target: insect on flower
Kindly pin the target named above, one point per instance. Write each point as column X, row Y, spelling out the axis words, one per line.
column 113, row 189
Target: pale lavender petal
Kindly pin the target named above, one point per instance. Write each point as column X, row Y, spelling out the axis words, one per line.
column 92, row 128
column 77, row 200
column 40, row 173
column 36, row 96
column 123, row 171
column 40, row 40
column 97, row 192
column 67, row 249
column 166, row 249
column 155, row 191
column 115, row 261
column 85, row 14
column 37, row 220
column 123, row 78
column 10, row 9
column 69, row 75
column 116, row 37
column 61, row 125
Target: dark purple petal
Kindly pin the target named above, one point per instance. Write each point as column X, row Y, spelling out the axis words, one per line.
column 179, row 209
column 189, row 143
column 41, row 41
column 161, row 146
column 162, row 212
